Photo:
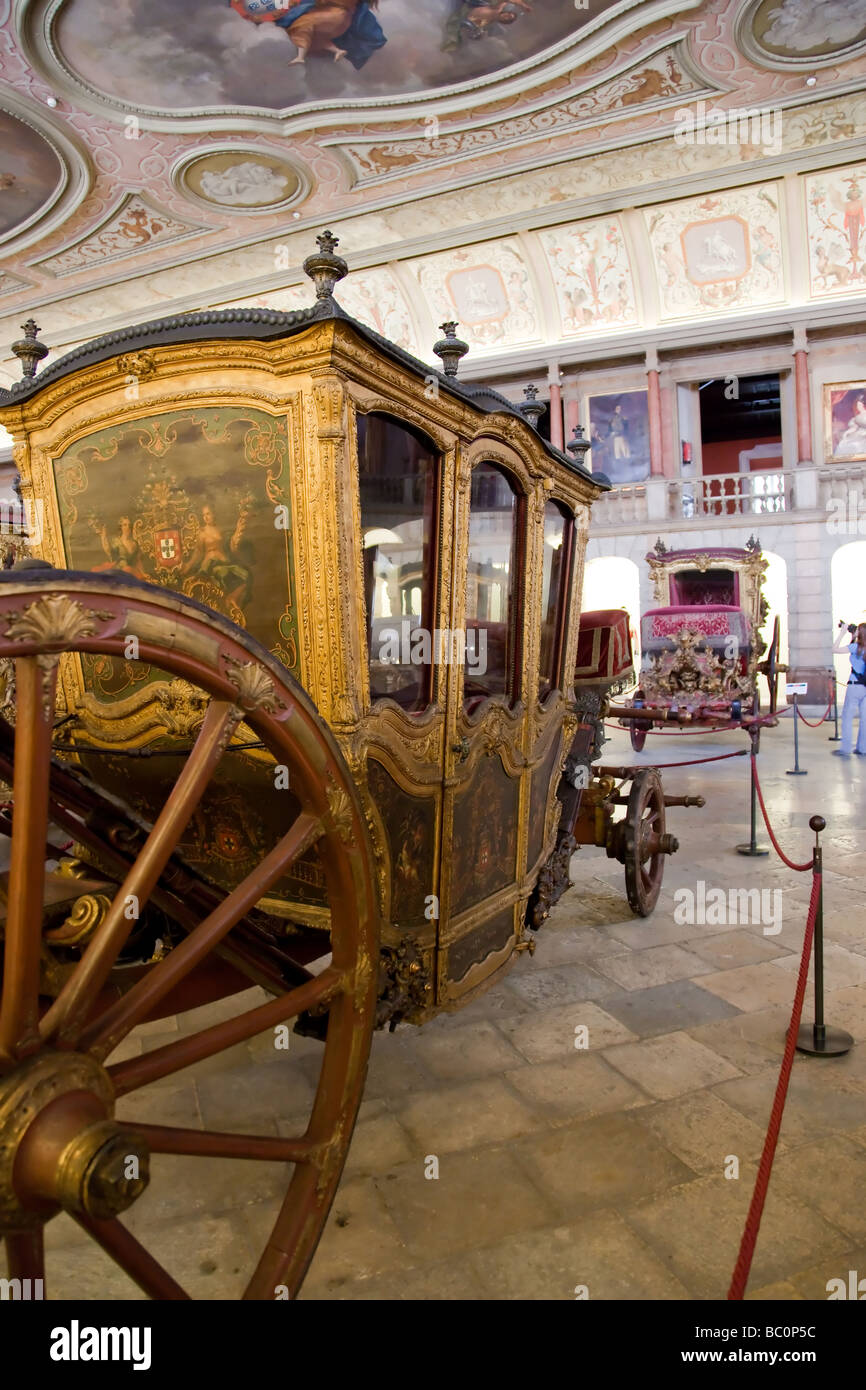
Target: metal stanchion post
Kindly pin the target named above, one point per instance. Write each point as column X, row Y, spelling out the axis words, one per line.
column 796, row 770
column 816, row 1039
column 834, row 685
column 753, row 849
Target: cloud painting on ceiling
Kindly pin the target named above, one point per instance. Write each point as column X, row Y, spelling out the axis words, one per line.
column 803, row 29
column 30, row 173
column 275, row 54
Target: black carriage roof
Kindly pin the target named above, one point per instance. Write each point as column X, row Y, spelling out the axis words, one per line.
column 265, row 325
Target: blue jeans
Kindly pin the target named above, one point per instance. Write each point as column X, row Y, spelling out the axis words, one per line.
column 855, row 696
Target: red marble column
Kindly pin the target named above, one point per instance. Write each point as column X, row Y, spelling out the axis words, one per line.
column 572, row 412
column 654, row 396
column 804, row 405
column 556, row 437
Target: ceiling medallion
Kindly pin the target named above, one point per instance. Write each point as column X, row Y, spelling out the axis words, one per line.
column 801, row 34
column 240, row 178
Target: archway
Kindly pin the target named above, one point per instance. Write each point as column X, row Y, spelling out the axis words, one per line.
column 775, row 591
column 848, row 596
column 612, row 581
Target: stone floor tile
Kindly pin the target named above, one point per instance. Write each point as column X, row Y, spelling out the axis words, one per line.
column 161, row 1105
column 605, row 1161
column 665, row 1008
column 829, row 1175
column 550, row 1035
column 379, row 1142
column 782, row 1292
column 260, row 1092
column 657, row 965
column 670, row 1065
column 702, row 1131
column 599, row 1252
column 564, row 984
column 462, row 1117
column 842, row 968
column 731, row 949
column 696, row 1230
column 813, row 1109
column 478, row 1049
column 360, row 1240
column 750, row 1041
column 449, row 1281
column 563, row 945
column 581, row 1085
column 815, row 1284
column 753, row 986
column 478, row 1199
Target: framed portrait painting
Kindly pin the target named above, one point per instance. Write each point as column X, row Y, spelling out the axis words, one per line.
column 845, row 422
column 619, row 434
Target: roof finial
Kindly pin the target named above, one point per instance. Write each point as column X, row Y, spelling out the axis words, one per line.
column 450, row 348
column 531, row 408
column 578, row 446
column 28, row 351
column 325, row 268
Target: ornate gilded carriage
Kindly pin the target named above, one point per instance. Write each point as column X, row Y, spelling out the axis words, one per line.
column 702, row 645
column 295, row 681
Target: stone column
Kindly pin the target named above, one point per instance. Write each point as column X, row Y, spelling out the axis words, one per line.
column 654, row 398
column 556, row 431
column 803, row 396
column 572, row 405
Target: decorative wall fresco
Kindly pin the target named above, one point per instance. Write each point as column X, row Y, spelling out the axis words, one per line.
column 720, row 252
column 134, row 225
column 619, row 432
column 186, row 499
column 30, row 172
column 592, row 275
column 837, row 230
column 486, row 288
column 261, row 53
column 374, row 297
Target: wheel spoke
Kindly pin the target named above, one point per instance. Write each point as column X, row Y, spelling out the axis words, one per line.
column 103, row 1035
column 132, row 1257
column 69, row 1011
column 19, row 1011
column 163, row 1061
column 25, row 1256
column 194, row 1143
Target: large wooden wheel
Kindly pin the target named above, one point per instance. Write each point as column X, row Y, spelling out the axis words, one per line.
column 61, row 1146
column 645, row 842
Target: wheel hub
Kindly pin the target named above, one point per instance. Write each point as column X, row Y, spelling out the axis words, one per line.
column 60, row 1146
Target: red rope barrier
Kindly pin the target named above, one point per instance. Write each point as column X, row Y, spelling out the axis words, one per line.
column 800, row 868
column 743, row 1266
column 824, row 717
column 695, row 762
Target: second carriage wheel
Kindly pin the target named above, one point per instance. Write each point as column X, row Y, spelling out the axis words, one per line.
column 770, row 667
column 638, row 731
column 64, row 1146
column 645, row 842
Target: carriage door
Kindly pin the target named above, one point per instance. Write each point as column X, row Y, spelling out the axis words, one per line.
column 485, row 760
column 400, row 472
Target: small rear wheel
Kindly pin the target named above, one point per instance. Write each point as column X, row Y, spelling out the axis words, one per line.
column 637, row 729
column 645, row 842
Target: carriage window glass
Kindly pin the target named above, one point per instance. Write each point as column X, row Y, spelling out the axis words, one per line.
column 491, row 657
column 398, row 470
column 555, row 565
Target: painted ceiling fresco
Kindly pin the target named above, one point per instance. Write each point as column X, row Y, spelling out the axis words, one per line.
column 278, row 53
column 511, row 164
column 30, row 172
